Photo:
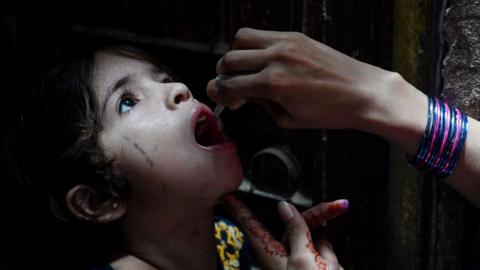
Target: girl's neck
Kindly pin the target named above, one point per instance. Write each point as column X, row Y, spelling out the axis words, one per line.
column 175, row 239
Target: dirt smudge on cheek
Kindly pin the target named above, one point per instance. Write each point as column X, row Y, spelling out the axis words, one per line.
column 141, row 151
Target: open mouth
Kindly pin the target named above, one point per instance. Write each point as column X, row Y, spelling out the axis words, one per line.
column 207, row 130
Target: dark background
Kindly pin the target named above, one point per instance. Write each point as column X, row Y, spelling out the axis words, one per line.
column 190, row 36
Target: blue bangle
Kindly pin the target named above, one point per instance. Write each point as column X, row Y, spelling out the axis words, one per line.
column 443, row 141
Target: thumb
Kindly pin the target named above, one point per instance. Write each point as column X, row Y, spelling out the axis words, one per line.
column 296, row 229
column 302, row 250
column 212, row 90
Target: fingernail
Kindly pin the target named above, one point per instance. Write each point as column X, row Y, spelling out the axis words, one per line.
column 285, row 212
column 236, row 103
column 344, row 202
column 219, row 65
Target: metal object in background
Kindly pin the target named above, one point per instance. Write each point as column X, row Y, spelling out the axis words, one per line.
column 276, row 173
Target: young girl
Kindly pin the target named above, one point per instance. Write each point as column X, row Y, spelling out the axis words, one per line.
column 121, row 150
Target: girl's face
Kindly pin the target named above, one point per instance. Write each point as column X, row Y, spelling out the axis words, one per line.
column 166, row 143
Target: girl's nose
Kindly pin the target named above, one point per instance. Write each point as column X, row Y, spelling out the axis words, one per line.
column 178, row 94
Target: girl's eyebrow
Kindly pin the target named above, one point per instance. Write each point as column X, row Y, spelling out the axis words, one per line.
column 114, row 87
column 157, row 71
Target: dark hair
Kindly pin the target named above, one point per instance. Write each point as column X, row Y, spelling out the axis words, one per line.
column 54, row 146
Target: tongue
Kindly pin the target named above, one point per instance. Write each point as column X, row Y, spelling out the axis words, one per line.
column 208, row 134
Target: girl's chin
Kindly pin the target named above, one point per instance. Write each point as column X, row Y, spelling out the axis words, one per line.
column 233, row 180
column 237, row 174
column 230, row 168
column 238, row 181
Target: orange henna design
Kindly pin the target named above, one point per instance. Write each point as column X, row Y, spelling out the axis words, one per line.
column 320, row 263
column 320, row 214
column 314, row 219
column 255, row 227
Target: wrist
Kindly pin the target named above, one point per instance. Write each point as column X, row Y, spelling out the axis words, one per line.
column 399, row 113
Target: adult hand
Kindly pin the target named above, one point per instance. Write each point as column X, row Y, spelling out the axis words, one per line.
column 301, row 82
column 303, row 254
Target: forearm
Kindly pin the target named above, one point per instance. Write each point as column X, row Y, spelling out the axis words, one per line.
column 303, row 83
column 466, row 177
column 401, row 118
column 398, row 113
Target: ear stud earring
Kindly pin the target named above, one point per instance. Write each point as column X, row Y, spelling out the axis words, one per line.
column 115, row 205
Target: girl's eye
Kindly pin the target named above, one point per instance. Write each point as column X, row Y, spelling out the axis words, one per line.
column 126, row 104
column 168, row 79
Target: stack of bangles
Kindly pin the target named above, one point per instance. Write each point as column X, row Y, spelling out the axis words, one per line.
column 443, row 141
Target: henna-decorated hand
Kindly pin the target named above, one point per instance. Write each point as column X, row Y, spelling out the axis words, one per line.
column 303, row 254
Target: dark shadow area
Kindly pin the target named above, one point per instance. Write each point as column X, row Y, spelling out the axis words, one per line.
column 190, row 37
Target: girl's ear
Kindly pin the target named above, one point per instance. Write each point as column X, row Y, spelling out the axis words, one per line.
column 83, row 202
